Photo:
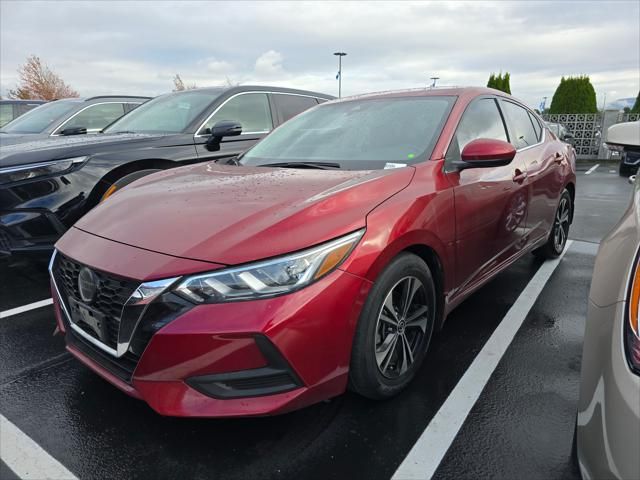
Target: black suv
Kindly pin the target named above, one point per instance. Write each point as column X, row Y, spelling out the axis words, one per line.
column 45, row 186
column 10, row 109
column 69, row 116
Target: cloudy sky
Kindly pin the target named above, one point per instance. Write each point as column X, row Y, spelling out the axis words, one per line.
column 101, row 47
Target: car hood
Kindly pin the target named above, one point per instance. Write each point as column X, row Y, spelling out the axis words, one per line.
column 12, row 138
column 53, row 148
column 233, row 215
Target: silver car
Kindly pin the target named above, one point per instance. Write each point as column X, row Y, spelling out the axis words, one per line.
column 608, row 425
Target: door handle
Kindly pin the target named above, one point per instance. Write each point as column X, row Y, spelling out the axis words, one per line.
column 519, row 176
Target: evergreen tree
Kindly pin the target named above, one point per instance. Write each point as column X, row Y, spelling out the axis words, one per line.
column 574, row 95
column 636, row 106
column 500, row 82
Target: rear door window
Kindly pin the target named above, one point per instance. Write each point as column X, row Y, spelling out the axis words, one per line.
column 520, row 125
column 289, row 106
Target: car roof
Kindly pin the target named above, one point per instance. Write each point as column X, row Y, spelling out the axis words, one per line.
column 102, row 97
column 429, row 92
column 22, row 101
column 258, row 88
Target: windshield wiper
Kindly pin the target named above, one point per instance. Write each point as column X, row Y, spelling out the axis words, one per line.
column 122, row 131
column 320, row 165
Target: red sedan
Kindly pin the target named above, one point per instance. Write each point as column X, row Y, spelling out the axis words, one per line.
column 324, row 262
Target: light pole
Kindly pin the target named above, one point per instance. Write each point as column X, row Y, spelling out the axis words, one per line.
column 435, row 79
column 339, row 76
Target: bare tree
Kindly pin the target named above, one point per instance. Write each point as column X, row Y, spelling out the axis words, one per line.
column 178, row 84
column 231, row 83
column 38, row 82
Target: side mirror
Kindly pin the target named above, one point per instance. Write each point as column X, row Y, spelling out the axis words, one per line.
column 74, row 131
column 486, row 152
column 224, row 128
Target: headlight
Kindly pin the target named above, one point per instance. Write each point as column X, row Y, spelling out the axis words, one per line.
column 269, row 278
column 632, row 325
column 26, row 172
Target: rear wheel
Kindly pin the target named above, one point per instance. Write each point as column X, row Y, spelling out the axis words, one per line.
column 126, row 180
column 394, row 329
column 560, row 230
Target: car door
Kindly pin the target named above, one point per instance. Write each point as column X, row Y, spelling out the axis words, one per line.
column 542, row 160
column 490, row 203
column 288, row 105
column 252, row 110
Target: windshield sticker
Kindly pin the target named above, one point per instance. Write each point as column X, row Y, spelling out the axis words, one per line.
column 389, row 165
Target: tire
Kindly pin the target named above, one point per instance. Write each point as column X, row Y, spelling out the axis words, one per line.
column 560, row 230
column 381, row 368
column 126, row 180
column 624, row 170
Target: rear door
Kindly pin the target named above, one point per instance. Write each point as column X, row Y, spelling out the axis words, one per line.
column 252, row 110
column 542, row 161
column 490, row 203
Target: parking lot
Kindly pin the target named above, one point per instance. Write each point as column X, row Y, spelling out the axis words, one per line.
column 520, row 427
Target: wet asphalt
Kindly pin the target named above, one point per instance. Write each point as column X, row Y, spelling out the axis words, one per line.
column 521, row 427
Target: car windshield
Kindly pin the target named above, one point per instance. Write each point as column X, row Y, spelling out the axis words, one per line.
column 357, row 134
column 38, row 119
column 170, row 113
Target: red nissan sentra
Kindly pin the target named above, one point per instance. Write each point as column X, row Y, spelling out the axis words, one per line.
column 326, row 260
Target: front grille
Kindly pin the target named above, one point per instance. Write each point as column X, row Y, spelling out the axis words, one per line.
column 112, row 294
column 122, row 367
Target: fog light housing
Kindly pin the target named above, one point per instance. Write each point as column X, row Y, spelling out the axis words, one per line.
column 276, row 377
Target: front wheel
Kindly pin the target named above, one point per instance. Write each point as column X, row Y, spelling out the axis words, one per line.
column 560, row 229
column 394, row 329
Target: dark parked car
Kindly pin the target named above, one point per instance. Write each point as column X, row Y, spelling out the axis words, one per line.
column 10, row 109
column 624, row 139
column 45, row 186
column 69, row 116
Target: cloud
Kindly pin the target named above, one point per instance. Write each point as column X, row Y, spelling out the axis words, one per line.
column 100, row 47
column 269, row 64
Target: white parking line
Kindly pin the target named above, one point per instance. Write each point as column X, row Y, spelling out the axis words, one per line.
column 26, row 308
column 429, row 450
column 26, row 458
column 592, row 169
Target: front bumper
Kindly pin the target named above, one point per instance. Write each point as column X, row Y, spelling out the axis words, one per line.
column 35, row 213
column 609, row 406
column 237, row 359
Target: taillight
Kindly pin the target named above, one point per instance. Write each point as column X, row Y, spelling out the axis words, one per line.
column 632, row 333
